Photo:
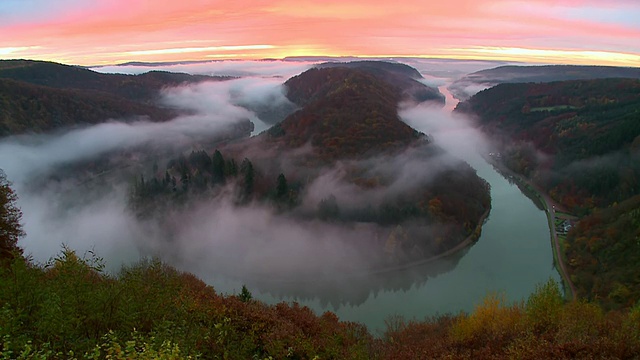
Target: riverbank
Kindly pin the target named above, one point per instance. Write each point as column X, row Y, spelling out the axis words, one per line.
column 468, row 241
column 542, row 200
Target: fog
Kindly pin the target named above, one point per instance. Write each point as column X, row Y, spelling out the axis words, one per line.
column 89, row 211
column 262, row 68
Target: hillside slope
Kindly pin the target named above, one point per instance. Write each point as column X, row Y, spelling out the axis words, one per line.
column 580, row 142
column 403, row 78
column 39, row 96
column 345, row 113
column 142, row 88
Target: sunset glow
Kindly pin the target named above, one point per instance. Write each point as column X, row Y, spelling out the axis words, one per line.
column 106, row 32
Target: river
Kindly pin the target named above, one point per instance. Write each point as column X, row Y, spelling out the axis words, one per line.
column 511, row 257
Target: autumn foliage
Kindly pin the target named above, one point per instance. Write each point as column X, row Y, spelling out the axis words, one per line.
column 71, row 308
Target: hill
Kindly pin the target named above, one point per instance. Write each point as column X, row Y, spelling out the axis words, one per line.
column 400, row 76
column 141, row 88
column 32, row 108
column 345, row 112
column 468, row 85
column 39, row 96
column 580, row 142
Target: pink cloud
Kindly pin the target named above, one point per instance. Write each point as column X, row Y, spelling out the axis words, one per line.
column 122, row 30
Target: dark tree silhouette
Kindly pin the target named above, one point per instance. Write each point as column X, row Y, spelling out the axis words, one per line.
column 10, row 217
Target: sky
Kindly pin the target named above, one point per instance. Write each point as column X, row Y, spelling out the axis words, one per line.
column 100, row 32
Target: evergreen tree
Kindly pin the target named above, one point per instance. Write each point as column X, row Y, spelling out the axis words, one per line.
column 231, row 168
column 328, row 208
column 248, row 177
column 167, row 178
column 282, row 189
column 10, row 216
column 218, row 167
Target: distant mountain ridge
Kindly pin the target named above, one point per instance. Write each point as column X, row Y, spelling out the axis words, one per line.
column 143, row 87
column 542, row 73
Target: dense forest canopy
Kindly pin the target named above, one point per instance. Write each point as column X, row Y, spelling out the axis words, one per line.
column 38, row 96
column 469, row 84
column 579, row 141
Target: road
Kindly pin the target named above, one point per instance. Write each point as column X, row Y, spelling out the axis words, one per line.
column 551, row 214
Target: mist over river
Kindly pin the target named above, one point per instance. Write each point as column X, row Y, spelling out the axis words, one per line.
column 512, row 255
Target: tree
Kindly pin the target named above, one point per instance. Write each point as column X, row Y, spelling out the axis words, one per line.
column 282, row 189
column 245, row 295
column 218, row 166
column 10, row 217
column 328, row 208
column 248, row 176
column 230, row 168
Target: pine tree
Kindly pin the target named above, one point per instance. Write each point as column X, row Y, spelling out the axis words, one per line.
column 218, row 166
column 282, row 189
column 10, row 217
column 230, row 168
column 248, row 176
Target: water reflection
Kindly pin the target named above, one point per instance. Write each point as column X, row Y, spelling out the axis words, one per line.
column 354, row 290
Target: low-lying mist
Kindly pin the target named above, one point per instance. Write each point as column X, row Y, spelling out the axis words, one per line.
column 88, row 211
column 253, row 243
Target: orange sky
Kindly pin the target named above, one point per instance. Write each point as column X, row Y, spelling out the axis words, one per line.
column 94, row 32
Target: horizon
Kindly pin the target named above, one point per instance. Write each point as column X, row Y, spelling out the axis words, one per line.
column 585, row 32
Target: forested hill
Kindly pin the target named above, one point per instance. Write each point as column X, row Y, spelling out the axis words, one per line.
column 143, row 87
column 548, row 73
column 403, row 78
column 345, row 112
column 37, row 96
column 32, row 108
column 580, row 142
column 586, row 132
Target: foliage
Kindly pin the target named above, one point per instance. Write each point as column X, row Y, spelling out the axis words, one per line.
column 497, row 330
column 69, row 308
column 603, row 255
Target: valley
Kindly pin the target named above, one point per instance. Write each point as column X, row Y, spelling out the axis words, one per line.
column 369, row 192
